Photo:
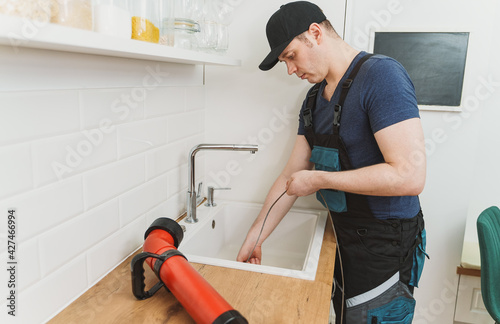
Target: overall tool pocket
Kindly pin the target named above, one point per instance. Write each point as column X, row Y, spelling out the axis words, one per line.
column 327, row 159
column 418, row 260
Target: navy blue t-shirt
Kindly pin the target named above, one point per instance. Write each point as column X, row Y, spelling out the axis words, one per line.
column 381, row 95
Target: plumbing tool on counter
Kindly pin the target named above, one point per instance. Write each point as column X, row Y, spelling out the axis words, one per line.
column 199, row 298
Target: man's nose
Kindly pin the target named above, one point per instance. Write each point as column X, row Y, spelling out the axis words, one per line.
column 291, row 68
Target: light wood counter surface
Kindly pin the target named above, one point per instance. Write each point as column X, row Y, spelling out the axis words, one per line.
column 260, row 298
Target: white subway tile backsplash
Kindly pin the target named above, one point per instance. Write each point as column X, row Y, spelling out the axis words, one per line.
column 92, row 150
column 44, row 208
column 173, row 207
column 64, row 156
column 29, row 263
column 184, row 125
column 109, row 181
column 195, row 98
column 164, row 101
column 78, row 234
column 141, row 199
column 178, row 180
column 115, row 106
column 112, row 250
column 141, row 136
column 41, row 301
column 16, row 173
column 27, row 116
column 165, row 158
column 192, row 141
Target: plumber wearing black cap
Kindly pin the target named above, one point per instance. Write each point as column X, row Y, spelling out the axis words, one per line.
column 360, row 149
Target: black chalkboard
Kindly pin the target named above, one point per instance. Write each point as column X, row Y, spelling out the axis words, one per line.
column 435, row 62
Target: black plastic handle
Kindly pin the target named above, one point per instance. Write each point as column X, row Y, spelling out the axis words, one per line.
column 138, row 285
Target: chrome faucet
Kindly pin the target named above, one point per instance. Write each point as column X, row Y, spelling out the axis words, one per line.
column 191, row 194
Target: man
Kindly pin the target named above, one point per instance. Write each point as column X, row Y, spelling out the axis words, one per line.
column 360, row 130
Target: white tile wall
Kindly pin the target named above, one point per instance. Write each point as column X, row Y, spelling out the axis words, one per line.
column 112, row 250
column 63, row 156
column 89, row 159
column 16, row 169
column 117, row 105
column 165, row 158
column 41, row 209
column 141, row 199
column 157, row 105
column 61, row 244
column 41, row 300
column 37, row 114
column 141, row 136
column 111, row 180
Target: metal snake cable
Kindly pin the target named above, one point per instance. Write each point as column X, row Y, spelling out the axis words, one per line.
column 262, row 228
column 340, row 257
column 336, row 239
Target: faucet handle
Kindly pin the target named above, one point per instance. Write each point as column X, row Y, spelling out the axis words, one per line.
column 200, row 186
column 210, row 195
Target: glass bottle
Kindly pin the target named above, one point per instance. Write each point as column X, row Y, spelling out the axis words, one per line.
column 112, row 17
column 72, row 13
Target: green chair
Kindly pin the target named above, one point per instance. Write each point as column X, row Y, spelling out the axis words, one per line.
column 488, row 230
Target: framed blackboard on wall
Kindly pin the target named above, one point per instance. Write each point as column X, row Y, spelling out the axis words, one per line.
column 435, row 62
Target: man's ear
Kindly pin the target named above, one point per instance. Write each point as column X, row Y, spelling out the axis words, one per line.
column 316, row 32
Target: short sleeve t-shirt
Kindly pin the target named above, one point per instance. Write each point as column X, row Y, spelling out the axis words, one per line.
column 381, row 95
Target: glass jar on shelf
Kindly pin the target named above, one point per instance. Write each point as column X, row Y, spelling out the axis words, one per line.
column 167, row 22
column 179, row 22
column 72, row 13
column 38, row 10
column 222, row 38
column 145, row 20
column 112, row 17
column 207, row 37
column 185, row 31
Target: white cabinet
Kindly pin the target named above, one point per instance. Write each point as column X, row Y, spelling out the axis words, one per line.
column 469, row 306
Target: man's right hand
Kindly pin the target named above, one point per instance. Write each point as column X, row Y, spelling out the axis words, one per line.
column 299, row 160
column 245, row 251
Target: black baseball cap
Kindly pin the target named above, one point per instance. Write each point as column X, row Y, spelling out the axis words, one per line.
column 291, row 20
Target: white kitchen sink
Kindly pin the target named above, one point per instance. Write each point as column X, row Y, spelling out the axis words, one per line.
column 292, row 250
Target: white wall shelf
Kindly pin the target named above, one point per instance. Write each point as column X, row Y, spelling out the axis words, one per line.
column 18, row 33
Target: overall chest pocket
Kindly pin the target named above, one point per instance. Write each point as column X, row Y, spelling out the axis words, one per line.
column 328, row 159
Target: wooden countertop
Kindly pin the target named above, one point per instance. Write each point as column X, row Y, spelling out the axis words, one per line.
column 260, row 298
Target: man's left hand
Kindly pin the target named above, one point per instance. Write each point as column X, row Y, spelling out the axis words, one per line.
column 302, row 183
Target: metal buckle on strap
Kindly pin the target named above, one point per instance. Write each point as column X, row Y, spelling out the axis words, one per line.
column 347, row 83
column 307, row 118
column 313, row 93
column 336, row 115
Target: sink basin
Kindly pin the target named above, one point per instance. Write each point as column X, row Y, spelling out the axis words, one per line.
column 292, row 249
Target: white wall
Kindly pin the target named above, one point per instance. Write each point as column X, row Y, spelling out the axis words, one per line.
column 119, row 131
column 249, row 105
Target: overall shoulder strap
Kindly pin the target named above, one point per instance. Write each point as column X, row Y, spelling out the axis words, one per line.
column 308, row 115
column 310, row 105
column 345, row 89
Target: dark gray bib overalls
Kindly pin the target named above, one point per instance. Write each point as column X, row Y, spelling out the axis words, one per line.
column 381, row 259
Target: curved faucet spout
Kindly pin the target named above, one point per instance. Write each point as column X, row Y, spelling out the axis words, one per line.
column 191, row 194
